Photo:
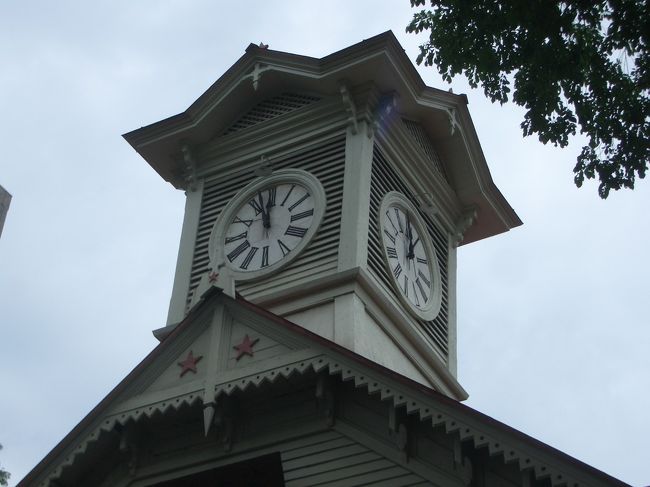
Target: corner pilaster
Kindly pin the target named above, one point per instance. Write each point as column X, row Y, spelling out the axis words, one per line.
column 177, row 302
column 452, row 334
column 353, row 245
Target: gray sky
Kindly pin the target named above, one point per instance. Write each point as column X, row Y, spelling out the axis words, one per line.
column 552, row 316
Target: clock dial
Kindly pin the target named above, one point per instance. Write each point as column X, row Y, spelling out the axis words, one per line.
column 410, row 256
column 269, row 226
column 407, row 257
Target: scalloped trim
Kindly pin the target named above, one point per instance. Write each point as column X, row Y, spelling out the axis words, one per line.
column 425, row 411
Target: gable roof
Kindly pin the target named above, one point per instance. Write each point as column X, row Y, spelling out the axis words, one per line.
column 312, row 352
column 263, row 73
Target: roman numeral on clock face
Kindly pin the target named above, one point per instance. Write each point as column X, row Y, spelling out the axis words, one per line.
column 391, row 222
column 424, row 278
column 415, row 293
column 424, row 294
column 249, row 257
column 389, row 235
column 271, row 195
column 391, row 252
column 265, row 256
column 300, row 216
column 303, row 198
column 286, row 197
column 397, row 271
column 236, row 237
column 237, row 251
column 255, row 204
column 296, row 231
column 248, row 223
column 285, row 250
column 399, row 220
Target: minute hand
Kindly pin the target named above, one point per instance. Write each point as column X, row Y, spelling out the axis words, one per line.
column 412, row 245
column 409, row 234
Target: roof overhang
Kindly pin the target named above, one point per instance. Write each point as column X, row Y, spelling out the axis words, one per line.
column 261, row 73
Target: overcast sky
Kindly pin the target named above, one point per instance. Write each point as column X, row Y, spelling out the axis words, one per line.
column 552, row 316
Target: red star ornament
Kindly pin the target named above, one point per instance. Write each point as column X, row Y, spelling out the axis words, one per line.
column 189, row 364
column 245, row 347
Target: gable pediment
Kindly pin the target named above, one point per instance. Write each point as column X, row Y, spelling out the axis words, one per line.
column 269, row 109
column 295, row 385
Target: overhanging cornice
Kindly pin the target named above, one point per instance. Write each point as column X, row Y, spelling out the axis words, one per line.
column 262, row 73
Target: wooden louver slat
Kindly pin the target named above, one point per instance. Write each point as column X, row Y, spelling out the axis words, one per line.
column 326, row 161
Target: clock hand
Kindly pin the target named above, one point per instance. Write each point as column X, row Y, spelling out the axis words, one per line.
column 409, row 233
column 268, row 209
column 413, row 247
column 265, row 216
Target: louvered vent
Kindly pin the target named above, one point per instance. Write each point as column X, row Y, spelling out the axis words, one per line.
column 325, row 161
column 424, row 143
column 271, row 108
column 385, row 179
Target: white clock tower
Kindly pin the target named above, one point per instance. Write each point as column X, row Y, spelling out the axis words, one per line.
column 332, row 192
column 311, row 337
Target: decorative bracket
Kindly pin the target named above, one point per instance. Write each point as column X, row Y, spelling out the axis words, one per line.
column 224, row 419
column 129, row 445
column 325, row 397
column 464, row 223
column 398, row 429
column 256, row 74
column 462, row 464
column 189, row 173
column 453, row 122
column 425, row 202
column 350, row 107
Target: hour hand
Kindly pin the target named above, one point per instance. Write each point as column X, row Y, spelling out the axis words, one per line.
column 265, row 214
column 270, row 202
column 409, row 234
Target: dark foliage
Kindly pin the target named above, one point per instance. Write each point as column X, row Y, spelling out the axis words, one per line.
column 4, row 475
column 573, row 65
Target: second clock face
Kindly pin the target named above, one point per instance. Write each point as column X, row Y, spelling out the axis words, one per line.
column 410, row 256
column 267, row 227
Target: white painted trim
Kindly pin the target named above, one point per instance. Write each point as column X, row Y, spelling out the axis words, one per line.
column 355, row 211
column 452, row 330
column 178, row 302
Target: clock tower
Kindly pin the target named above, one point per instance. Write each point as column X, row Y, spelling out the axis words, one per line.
column 311, row 337
column 333, row 192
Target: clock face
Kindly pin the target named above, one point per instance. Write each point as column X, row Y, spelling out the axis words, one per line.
column 268, row 226
column 410, row 256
